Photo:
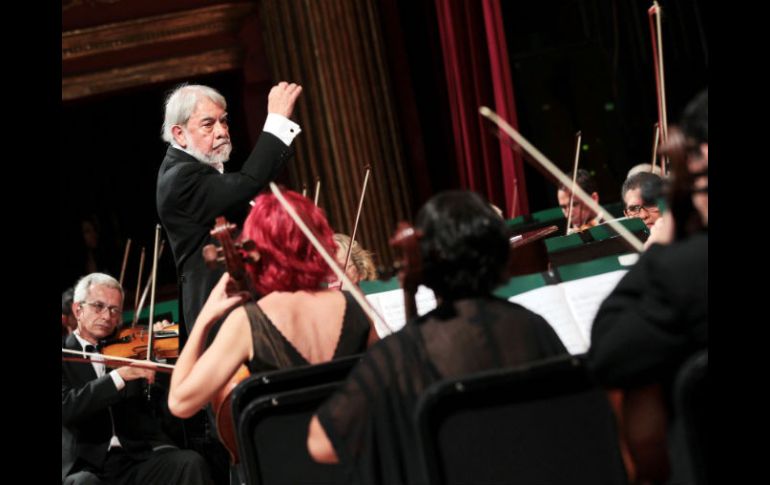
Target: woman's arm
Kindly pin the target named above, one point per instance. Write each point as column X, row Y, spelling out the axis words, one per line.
column 198, row 375
column 318, row 443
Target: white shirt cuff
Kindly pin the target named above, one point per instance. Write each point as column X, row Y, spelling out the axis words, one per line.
column 282, row 127
column 119, row 382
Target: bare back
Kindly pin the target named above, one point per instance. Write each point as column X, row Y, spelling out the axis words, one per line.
column 310, row 321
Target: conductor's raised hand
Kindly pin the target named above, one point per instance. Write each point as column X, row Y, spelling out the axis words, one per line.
column 282, row 98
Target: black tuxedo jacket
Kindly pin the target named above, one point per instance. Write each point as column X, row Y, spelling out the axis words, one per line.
column 655, row 318
column 190, row 195
column 86, row 404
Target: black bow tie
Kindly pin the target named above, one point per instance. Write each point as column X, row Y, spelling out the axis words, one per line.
column 91, row 348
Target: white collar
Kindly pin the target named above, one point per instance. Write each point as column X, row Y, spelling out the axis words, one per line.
column 83, row 342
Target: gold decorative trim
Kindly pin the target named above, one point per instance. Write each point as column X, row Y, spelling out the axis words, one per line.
column 74, row 87
column 200, row 22
column 68, row 4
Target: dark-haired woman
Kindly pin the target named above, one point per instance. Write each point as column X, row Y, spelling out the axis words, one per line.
column 367, row 425
column 297, row 323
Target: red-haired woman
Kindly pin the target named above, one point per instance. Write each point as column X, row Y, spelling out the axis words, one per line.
column 297, row 323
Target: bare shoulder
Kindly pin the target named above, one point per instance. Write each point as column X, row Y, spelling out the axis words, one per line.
column 236, row 321
column 301, row 301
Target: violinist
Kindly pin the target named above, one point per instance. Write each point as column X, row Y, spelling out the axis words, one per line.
column 640, row 194
column 108, row 434
column 657, row 316
column 367, row 424
column 68, row 322
column 360, row 266
column 297, row 322
column 582, row 216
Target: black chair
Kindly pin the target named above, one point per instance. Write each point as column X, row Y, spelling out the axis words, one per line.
column 270, row 400
column 289, row 379
column 691, row 406
column 546, row 423
column 272, row 439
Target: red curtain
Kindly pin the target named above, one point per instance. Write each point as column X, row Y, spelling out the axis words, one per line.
column 478, row 73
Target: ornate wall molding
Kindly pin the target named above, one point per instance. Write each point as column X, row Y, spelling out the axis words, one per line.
column 74, row 87
column 101, row 49
column 162, row 28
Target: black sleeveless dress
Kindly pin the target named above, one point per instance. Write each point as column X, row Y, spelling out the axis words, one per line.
column 273, row 351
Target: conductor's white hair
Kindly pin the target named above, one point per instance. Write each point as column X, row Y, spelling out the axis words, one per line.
column 181, row 103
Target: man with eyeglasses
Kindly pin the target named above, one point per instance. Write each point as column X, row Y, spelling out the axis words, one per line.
column 108, row 433
column 640, row 194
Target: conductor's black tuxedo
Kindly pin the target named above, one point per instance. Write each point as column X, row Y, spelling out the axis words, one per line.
column 190, row 195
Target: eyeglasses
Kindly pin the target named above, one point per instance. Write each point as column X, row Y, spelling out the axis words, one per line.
column 634, row 210
column 99, row 307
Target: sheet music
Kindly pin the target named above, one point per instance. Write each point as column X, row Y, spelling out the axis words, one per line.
column 390, row 304
column 585, row 295
column 568, row 307
column 549, row 302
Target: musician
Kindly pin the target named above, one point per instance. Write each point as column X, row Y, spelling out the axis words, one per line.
column 367, row 425
column 360, row 267
column 108, row 434
column 297, row 322
column 68, row 321
column 582, row 216
column 640, row 194
column 657, row 316
column 192, row 187
column 644, row 167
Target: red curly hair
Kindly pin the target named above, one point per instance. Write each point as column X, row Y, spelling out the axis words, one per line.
column 288, row 261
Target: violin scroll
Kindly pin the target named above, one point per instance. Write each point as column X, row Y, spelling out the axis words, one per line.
column 232, row 254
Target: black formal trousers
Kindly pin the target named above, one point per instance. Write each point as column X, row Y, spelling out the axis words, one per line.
column 92, row 407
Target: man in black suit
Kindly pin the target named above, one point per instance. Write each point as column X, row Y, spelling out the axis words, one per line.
column 192, row 187
column 108, row 434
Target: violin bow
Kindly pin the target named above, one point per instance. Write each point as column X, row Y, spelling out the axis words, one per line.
column 358, row 217
column 139, row 280
column 655, row 141
column 578, row 139
column 660, row 82
column 125, row 260
column 140, row 306
column 317, row 190
column 89, row 357
column 150, row 329
column 581, row 194
column 354, row 290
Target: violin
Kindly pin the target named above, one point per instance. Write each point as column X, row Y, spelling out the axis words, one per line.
column 587, row 225
column 233, row 255
column 132, row 343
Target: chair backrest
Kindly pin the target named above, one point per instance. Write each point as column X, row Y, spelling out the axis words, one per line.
column 691, row 406
column 263, row 388
column 287, row 379
column 546, row 423
column 272, row 438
